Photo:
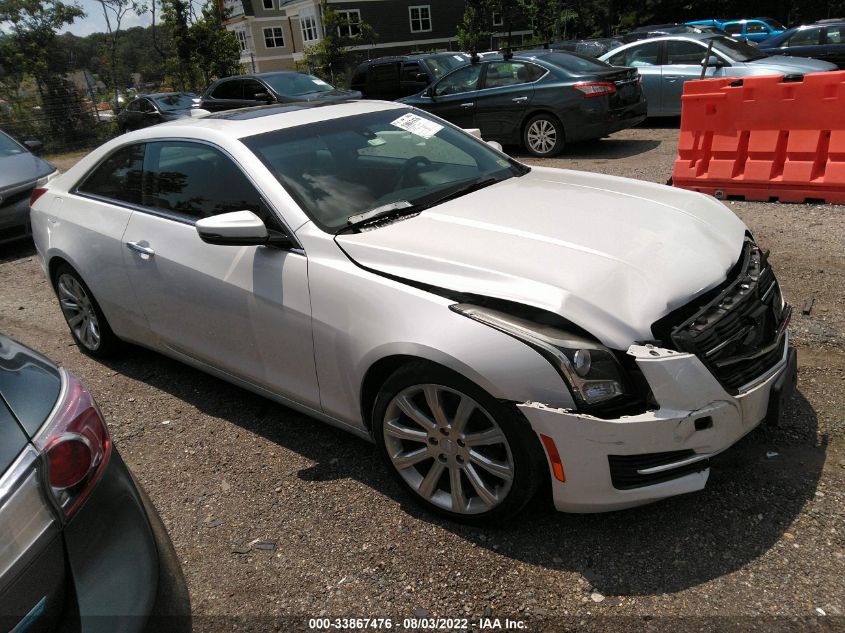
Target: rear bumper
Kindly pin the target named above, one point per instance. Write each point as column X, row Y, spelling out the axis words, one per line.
column 122, row 564
column 603, row 121
column 610, row 464
column 14, row 221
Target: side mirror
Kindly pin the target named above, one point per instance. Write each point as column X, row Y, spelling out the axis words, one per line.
column 712, row 62
column 428, row 92
column 34, row 146
column 261, row 96
column 239, row 228
column 424, row 77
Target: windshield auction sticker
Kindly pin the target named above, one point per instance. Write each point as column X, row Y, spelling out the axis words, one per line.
column 417, row 125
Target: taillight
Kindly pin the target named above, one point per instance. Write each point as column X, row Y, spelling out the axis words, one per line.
column 76, row 446
column 36, row 193
column 595, row 88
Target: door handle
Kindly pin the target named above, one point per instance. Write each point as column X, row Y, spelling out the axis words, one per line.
column 468, row 105
column 519, row 99
column 145, row 251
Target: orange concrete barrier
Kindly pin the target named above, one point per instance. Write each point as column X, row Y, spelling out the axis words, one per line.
column 764, row 138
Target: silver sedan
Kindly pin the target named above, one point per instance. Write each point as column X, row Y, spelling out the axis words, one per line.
column 665, row 63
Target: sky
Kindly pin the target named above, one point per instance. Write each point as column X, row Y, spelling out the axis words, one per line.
column 95, row 22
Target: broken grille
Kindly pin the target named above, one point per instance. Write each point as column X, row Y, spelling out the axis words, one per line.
column 738, row 333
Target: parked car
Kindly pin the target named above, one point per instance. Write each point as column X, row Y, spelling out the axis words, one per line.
column 539, row 99
column 590, row 47
column 20, row 172
column 265, row 88
column 393, row 77
column 82, row 546
column 488, row 324
column 820, row 41
column 156, row 108
column 657, row 30
column 665, row 63
column 754, row 30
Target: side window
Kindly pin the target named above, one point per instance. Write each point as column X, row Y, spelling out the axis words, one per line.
column 755, row 27
column 146, row 106
column 410, row 70
column 462, row 80
column 637, row 56
column 118, row 177
column 134, row 106
column 734, row 28
column 806, row 37
column 252, row 88
column 386, row 74
column 228, row 90
column 686, row 53
column 510, row 74
column 834, row 34
column 195, row 180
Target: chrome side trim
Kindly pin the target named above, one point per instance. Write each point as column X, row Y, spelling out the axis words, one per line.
column 664, row 467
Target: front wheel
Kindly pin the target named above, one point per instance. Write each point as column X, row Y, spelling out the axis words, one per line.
column 543, row 136
column 457, row 449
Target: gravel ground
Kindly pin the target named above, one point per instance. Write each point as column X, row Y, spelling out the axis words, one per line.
column 277, row 517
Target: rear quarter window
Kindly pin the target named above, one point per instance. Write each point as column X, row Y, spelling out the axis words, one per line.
column 118, row 177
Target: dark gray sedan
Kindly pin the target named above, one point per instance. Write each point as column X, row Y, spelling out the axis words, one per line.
column 156, row 108
column 81, row 547
column 21, row 171
column 540, row 99
column 245, row 91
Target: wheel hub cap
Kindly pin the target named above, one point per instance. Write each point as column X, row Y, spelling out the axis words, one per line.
column 79, row 311
column 448, row 449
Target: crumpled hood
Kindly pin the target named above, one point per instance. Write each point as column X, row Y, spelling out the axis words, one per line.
column 610, row 254
column 20, row 169
column 790, row 65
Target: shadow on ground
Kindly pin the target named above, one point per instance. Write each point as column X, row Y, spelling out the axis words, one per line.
column 678, row 543
column 16, row 250
column 608, row 149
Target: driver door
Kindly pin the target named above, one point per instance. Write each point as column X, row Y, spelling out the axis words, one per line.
column 244, row 310
column 454, row 97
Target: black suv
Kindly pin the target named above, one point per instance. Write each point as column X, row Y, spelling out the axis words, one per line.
column 244, row 91
column 394, row 77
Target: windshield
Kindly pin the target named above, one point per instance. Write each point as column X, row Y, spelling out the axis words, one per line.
column 293, row 84
column 344, row 167
column 777, row 26
column 737, row 51
column 181, row 101
column 8, row 147
column 442, row 65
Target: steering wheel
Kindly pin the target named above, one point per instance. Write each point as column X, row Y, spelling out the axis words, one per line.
column 414, row 165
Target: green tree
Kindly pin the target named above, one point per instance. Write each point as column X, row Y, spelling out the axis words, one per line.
column 474, row 32
column 215, row 49
column 328, row 57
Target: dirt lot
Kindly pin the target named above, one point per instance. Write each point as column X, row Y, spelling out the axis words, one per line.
column 763, row 547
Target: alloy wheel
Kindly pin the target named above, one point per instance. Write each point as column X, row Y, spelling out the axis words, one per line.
column 79, row 311
column 541, row 136
column 448, row 449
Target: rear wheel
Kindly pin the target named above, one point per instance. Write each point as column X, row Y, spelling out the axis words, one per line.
column 83, row 315
column 457, row 449
column 543, row 135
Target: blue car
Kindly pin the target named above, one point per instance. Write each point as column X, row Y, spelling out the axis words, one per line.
column 753, row 29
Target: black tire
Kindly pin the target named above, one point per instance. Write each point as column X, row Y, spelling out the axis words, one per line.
column 543, row 136
column 522, row 449
column 107, row 344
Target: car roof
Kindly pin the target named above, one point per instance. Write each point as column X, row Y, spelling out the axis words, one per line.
column 163, row 94
column 245, row 122
column 409, row 56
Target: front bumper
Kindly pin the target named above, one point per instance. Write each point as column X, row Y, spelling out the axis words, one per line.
column 696, row 419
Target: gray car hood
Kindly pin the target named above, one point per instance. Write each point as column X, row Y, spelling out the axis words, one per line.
column 790, row 65
column 22, row 169
column 612, row 255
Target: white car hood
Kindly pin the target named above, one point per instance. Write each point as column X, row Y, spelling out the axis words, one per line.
column 611, row 255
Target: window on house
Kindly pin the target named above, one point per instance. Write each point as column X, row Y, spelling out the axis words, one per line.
column 274, row 37
column 308, row 23
column 268, row 4
column 420, row 18
column 241, row 39
column 350, row 24
column 497, row 19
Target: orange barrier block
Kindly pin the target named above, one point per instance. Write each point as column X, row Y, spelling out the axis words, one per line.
column 764, row 138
